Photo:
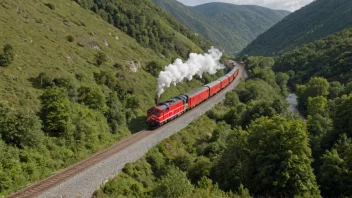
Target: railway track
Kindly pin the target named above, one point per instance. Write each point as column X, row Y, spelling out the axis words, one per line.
column 59, row 178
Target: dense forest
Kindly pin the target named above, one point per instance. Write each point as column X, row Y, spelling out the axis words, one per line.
column 230, row 27
column 329, row 58
column 147, row 23
column 252, row 146
column 312, row 22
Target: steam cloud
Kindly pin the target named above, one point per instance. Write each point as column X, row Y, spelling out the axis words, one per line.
column 197, row 64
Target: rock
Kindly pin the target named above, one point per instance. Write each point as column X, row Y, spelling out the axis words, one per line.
column 94, row 45
column 106, row 43
column 117, row 38
column 134, row 65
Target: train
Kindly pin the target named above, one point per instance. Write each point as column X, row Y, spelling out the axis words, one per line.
column 167, row 111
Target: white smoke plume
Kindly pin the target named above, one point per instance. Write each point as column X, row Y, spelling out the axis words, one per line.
column 197, row 64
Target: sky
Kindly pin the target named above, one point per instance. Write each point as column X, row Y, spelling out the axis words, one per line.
column 290, row 5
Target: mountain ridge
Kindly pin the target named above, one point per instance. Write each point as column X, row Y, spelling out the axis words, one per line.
column 225, row 35
column 312, row 22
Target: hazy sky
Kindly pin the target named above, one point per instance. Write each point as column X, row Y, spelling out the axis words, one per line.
column 290, row 5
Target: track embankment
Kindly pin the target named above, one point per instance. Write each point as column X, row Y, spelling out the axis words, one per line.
column 83, row 178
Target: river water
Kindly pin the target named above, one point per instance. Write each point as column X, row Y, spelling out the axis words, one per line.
column 292, row 100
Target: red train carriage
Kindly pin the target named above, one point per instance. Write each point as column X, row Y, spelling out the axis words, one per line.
column 214, row 88
column 224, row 81
column 197, row 96
column 230, row 77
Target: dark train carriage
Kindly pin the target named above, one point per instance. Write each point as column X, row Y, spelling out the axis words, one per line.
column 235, row 72
column 214, row 88
column 197, row 96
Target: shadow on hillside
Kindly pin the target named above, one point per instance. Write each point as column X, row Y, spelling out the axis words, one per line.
column 92, row 63
column 137, row 124
column 35, row 82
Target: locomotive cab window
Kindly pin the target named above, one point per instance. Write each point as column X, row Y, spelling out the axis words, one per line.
column 156, row 112
column 150, row 111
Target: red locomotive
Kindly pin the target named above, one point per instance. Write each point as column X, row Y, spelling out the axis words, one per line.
column 174, row 107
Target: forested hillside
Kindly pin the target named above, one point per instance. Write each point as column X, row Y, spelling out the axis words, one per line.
column 330, row 58
column 250, row 146
column 312, row 22
column 72, row 84
column 229, row 26
column 148, row 24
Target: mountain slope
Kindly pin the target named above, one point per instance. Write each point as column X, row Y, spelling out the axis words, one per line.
column 329, row 58
column 76, row 85
column 148, row 24
column 197, row 23
column 310, row 23
column 229, row 26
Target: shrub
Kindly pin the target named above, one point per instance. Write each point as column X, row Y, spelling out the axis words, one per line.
column 70, row 38
column 50, row 5
column 45, row 80
column 19, row 128
column 154, row 68
column 174, row 184
column 100, row 58
column 8, row 55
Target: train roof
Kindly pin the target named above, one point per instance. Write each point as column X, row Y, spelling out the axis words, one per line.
column 191, row 93
column 166, row 104
column 182, row 97
column 228, row 75
column 222, row 78
column 212, row 84
column 231, row 72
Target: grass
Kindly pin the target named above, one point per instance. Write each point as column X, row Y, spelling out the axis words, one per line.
column 39, row 36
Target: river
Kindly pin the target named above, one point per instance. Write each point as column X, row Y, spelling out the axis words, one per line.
column 292, row 100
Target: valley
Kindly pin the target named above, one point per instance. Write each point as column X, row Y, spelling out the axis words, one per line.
column 99, row 98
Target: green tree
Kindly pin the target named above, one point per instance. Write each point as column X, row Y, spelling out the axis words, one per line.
column 343, row 116
column 200, row 168
column 174, row 184
column 231, row 99
column 280, row 158
column 232, row 169
column 20, row 128
column 336, row 89
column 315, row 87
column 55, row 111
column 89, row 128
column 115, row 114
column 281, row 80
column 335, row 171
column 92, row 97
column 317, row 105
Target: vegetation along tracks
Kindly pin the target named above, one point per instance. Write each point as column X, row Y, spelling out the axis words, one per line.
column 83, row 178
